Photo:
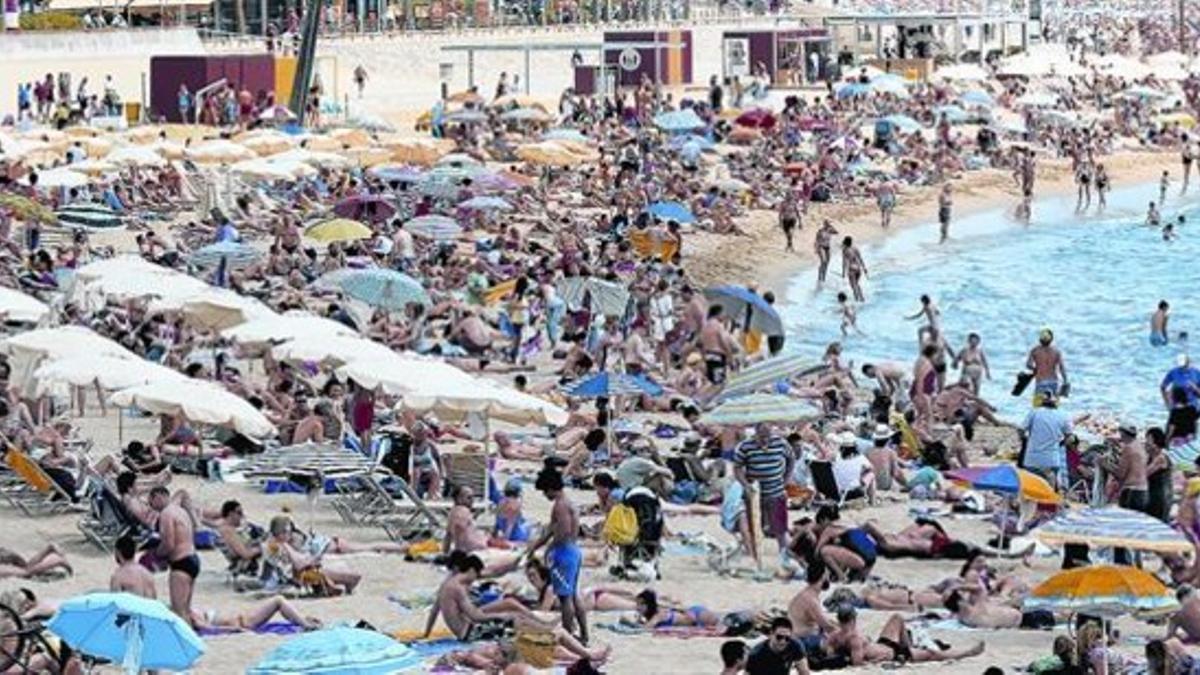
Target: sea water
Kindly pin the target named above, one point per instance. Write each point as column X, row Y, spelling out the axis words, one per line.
column 1093, row 278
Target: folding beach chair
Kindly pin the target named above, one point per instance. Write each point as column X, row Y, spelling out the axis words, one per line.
column 107, row 519
column 827, row 489
column 414, row 518
column 467, row 469
column 30, row 488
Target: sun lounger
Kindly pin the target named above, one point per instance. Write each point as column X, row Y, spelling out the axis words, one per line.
column 30, row 488
column 107, row 519
column 469, row 469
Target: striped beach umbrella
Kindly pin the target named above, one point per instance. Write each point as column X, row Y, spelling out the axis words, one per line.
column 1102, row 590
column 770, row 373
column 606, row 384
column 607, row 297
column 385, row 289
column 233, row 253
column 1113, row 526
column 90, row 217
column 437, row 228
column 758, row 409
column 1184, row 454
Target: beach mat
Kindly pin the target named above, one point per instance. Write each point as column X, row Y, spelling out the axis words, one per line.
column 270, row 628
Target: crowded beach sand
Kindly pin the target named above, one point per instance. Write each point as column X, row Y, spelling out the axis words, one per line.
column 427, row 385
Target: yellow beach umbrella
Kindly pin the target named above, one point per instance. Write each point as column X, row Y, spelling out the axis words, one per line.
column 1103, row 590
column 337, row 229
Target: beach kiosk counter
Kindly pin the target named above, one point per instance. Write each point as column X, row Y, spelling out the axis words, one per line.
column 789, row 56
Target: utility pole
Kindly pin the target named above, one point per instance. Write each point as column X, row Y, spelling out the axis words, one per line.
column 306, row 59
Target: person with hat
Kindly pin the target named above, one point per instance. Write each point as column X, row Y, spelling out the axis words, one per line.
column 884, row 460
column 853, row 472
column 1044, row 429
column 1049, row 371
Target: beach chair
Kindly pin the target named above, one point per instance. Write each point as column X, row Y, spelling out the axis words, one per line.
column 468, row 469
column 363, row 500
column 30, row 488
column 107, row 519
column 415, row 517
column 827, row 489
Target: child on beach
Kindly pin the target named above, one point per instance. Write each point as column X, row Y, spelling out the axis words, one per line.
column 849, row 315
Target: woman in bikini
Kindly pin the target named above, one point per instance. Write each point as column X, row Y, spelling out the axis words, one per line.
column 596, row 599
column 253, row 618
column 650, row 613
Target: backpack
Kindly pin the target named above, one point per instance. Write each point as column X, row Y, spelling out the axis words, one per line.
column 621, row 526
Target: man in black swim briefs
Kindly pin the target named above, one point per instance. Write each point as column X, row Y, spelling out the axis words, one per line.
column 177, row 535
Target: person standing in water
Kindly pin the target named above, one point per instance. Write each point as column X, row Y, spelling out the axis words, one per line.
column 1153, row 217
column 1101, row 187
column 972, row 363
column 945, row 202
column 933, row 316
column 853, row 268
column 1158, row 324
column 849, row 315
column 1164, row 184
column 1083, row 176
column 821, row 245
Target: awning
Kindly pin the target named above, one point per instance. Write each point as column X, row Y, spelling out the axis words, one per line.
column 122, row 5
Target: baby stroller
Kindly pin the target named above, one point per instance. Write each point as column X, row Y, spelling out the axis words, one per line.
column 640, row 558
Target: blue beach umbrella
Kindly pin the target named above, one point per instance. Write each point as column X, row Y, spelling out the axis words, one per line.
column 852, row 90
column 233, row 253
column 747, row 308
column 681, row 141
column 339, row 651
column 565, row 134
column 385, row 289
column 903, row 123
column 606, row 384
column 437, row 228
column 952, row 113
column 486, row 204
column 671, row 211
column 679, row 120
column 978, row 97
column 139, row 633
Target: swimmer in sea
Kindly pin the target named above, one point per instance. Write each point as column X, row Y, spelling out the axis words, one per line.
column 1153, row 217
column 1168, row 232
column 1158, row 324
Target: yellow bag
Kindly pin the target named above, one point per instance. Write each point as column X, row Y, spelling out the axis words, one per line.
column 536, row 648
column 621, row 526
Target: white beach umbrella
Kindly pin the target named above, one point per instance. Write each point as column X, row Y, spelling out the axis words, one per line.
column 218, row 152
column 135, row 155
column 62, row 342
column 17, row 306
column 337, row 350
column 962, row 72
column 110, row 372
column 283, row 327
column 199, row 402
column 62, row 178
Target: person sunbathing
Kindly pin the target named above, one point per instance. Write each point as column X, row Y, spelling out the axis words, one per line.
column 48, row 561
column 304, row 569
column 462, row 535
column 651, row 613
column 253, row 618
column 594, row 599
column 894, row 644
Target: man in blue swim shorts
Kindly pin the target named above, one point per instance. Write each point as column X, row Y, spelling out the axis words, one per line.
column 564, row 557
column 1158, row 324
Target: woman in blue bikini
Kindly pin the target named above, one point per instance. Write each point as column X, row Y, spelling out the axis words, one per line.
column 650, row 613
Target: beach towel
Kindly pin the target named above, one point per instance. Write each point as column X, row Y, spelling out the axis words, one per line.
column 646, row 245
column 432, row 649
column 270, row 628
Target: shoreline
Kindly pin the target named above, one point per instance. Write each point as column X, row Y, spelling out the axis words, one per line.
column 758, row 258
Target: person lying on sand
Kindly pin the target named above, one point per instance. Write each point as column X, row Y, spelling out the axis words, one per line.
column 651, row 614
column 253, row 618
column 894, row 644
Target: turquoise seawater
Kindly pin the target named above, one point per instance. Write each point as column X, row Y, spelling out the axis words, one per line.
column 1094, row 279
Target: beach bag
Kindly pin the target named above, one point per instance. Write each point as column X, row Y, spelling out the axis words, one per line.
column 621, row 526
column 536, row 648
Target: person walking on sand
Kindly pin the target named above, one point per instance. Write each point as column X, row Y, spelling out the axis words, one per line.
column 886, row 198
column 360, row 78
column 821, row 246
column 945, row 203
column 853, row 268
column 789, row 221
column 1158, row 324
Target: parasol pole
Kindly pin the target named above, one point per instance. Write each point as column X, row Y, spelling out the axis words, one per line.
column 755, row 512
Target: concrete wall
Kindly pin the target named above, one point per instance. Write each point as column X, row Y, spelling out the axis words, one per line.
column 124, row 54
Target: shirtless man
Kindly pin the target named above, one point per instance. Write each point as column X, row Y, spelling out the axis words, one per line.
column 469, row 622
column 1187, row 618
column 1158, row 324
column 1131, row 472
column 930, row 312
column 177, row 547
column 853, row 268
column 1046, row 362
column 821, row 247
column 889, row 376
column 718, row 346
column 130, row 575
column 695, row 310
column 474, row 336
column 958, row 397
column 810, row 624
column 884, row 461
column 463, row 535
column 893, row 644
column 564, row 557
